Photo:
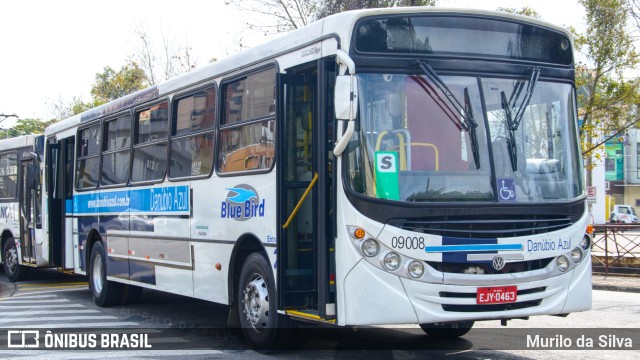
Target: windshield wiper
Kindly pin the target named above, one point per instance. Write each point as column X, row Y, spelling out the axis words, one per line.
column 511, row 142
column 465, row 112
column 513, row 122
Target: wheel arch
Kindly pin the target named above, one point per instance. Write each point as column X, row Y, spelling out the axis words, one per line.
column 245, row 245
column 6, row 234
column 92, row 237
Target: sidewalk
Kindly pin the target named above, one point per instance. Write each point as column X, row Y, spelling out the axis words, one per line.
column 616, row 283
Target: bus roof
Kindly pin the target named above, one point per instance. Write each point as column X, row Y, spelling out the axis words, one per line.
column 18, row 142
column 339, row 26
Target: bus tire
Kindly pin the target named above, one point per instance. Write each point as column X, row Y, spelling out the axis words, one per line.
column 447, row 330
column 104, row 292
column 12, row 269
column 263, row 328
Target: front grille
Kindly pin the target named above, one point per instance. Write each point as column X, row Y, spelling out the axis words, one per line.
column 487, row 268
column 491, row 307
column 448, row 294
column 483, row 227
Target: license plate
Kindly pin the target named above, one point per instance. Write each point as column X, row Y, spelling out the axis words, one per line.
column 497, row 295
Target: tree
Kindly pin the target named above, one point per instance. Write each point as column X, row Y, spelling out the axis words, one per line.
column 111, row 85
column 525, row 10
column 330, row 7
column 278, row 16
column 29, row 126
column 160, row 62
column 606, row 99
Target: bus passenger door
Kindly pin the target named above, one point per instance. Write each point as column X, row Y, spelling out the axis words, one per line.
column 59, row 180
column 29, row 195
column 304, row 193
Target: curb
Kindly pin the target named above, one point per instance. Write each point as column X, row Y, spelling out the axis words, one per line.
column 620, row 288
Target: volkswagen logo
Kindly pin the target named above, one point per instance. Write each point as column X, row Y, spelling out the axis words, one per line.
column 498, row 263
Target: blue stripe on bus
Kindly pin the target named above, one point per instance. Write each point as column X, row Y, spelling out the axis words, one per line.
column 473, row 248
column 68, row 206
column 461, row 256
column 158, row 200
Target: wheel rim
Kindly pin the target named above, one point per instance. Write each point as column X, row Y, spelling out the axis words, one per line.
column 96, row 272
column 11, row 260
column 256, row 302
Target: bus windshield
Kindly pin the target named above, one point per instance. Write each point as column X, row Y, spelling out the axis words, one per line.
column 499, row 140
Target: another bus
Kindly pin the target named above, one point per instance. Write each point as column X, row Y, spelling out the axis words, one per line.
column 20, row 206
column 386, row 166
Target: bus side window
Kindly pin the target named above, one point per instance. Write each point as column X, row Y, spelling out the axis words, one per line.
column 250, row 102
column 193, row 136
column 150, row 148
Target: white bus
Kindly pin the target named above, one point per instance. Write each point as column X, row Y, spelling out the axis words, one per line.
column 20, row 205
column 388, row 166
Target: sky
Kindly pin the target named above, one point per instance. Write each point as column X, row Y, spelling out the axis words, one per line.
column 50, row 51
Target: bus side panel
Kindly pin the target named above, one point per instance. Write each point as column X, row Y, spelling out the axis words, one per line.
column 207, row 279
column 69, row 260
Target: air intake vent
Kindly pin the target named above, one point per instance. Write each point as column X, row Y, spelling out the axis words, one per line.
column 483, row 227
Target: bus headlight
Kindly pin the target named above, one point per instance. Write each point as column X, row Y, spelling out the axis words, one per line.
column 416, row 269
column 585, row 243
column 563, row 263
column 576, row 255
column 391, row 261
column 370, row 247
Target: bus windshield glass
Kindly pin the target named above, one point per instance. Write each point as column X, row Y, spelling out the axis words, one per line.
column 498, row 140
column 464, row 37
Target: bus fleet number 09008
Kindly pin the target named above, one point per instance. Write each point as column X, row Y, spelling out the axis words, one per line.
column 410, row 243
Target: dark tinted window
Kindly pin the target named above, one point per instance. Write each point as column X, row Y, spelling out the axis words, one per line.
column 251, row 97
column 117, row 144
column 248, row 125
column 193, row 143
column 152, row 124
column 150, row 148
column 8, row 175
column 88, row 163
column 461, row 36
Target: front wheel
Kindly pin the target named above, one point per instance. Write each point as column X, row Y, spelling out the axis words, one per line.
column 263, row 328
column 12, row 269
column 447, row 330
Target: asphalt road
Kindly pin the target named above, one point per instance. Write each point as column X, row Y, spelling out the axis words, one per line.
column 177, row 327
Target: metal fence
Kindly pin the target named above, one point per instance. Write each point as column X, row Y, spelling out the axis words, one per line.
column 616, row 249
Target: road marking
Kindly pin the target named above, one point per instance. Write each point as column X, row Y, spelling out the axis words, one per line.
column 54, row 284
column 2, row 307
column 32, row 296
column 47, row 292
column 57, row 318
column 45, row 312
column 27, row 301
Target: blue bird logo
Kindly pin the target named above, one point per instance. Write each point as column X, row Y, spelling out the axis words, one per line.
column 242, row 195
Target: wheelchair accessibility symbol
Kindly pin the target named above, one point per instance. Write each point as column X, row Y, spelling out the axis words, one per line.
column 507, row 189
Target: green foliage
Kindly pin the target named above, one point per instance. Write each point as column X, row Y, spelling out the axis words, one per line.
column 525, row 10
column 111, row 85
column 29, row 126
column 606, row 100
column 330, row 7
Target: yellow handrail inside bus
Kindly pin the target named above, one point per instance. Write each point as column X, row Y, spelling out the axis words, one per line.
column 402, row 150
column 435, row 150
column 304, row 196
